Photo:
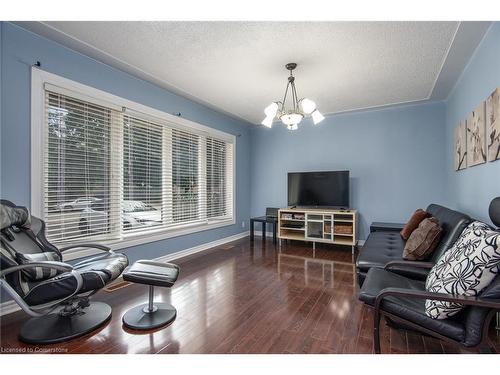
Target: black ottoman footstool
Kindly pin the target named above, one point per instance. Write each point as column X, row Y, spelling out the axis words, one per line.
column 151, row 315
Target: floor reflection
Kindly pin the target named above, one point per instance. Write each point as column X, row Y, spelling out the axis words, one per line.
column 315, row 268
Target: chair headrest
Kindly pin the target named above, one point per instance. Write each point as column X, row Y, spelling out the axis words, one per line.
column 494, row 211
column 10, row 215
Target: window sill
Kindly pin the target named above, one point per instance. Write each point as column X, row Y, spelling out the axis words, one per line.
column 144, row 238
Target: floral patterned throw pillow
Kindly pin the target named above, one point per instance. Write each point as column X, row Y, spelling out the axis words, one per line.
column 465, row 269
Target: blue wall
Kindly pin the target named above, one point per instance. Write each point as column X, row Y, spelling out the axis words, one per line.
column 20, row 49
column 471, row 190
column 395, row 157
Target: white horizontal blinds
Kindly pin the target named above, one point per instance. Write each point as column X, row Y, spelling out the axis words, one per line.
column 219, row 178
column 186, row 180
column 79, row 201
column 142, row 174
column 230, row 183
column 110, row 172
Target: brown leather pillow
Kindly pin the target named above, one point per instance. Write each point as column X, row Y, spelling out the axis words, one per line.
column 413, row 223
column 423, row 240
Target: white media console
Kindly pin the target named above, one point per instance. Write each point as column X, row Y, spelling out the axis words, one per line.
column 331, row 226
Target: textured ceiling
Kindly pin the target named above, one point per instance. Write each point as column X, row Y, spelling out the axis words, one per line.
column 238, row 67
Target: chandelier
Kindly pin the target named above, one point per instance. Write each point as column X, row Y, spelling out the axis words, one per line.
column 300, row 108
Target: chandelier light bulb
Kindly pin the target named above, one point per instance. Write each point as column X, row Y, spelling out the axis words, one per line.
column 292, row 127
column 317, row 117
column 271, row 110
column 268, row 122
column 307, row 106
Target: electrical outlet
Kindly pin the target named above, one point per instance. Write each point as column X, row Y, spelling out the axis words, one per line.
column 243, row 224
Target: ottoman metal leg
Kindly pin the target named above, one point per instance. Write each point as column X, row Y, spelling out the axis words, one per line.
column 149, row 315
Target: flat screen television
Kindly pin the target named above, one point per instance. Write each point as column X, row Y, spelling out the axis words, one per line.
column 318, row 189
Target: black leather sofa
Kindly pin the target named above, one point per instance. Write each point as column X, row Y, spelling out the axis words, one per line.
column 401, row 300
column 384, row 246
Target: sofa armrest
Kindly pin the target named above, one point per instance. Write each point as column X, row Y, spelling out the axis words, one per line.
column 417, row 271
column 386, row 227
column 422, row 294
column 408, row 263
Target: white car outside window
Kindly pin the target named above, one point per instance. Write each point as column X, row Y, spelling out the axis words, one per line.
column 135, row 214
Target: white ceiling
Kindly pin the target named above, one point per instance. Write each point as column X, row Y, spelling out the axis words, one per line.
column 238, row 67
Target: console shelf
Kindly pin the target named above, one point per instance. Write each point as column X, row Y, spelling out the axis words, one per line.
column 290, row 228
column 336, row 227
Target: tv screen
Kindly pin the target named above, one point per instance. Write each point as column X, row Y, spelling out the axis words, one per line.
column 318, row 189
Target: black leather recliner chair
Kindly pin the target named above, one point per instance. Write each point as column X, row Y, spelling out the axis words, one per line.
column 54, row 293
column 401, row 300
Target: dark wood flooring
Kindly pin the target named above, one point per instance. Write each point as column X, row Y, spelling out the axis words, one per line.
column 248, row 297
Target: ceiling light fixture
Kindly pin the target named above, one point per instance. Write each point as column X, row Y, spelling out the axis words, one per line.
column 299, row 107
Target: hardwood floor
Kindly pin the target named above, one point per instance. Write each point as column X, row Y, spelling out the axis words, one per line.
column 248, row 297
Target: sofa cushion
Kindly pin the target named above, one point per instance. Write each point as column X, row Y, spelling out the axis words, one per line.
column 465, row 269
column 378, row 279
column 412, row 224
column 412, row 309
column 423, row 240
column 382, row 247
column 452, row 222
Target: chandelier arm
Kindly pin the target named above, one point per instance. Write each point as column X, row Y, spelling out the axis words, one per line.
column 284, row 97
column 295, row 100
column 281, row 106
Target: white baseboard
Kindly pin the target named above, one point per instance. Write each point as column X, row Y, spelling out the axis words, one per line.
column 11, row 306
column 361, row 242
column 200, row 248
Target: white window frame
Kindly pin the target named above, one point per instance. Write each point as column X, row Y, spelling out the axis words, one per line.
column 39, row 78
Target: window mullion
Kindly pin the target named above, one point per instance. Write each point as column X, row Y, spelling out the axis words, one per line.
column 116, row 183
column 202, row 178
column 229, row 176
column 167, row 193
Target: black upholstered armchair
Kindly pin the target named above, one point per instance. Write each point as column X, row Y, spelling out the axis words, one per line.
column 54, row 293
column 401, row 300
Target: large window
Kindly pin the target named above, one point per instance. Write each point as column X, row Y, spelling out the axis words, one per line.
column 113, row 173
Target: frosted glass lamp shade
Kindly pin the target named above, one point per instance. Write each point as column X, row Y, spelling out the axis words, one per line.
column 317, row 117
column 271, row 110
column 268, row 122
column 291, row 118
column 307, row 106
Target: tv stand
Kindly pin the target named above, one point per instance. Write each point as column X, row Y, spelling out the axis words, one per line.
column 333, row 226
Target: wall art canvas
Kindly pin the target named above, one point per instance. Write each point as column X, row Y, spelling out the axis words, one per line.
column 460, row 146
column 476, row 136
column 493, row 125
